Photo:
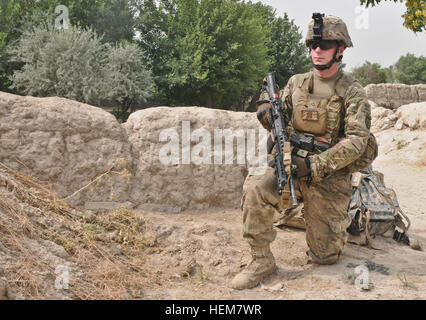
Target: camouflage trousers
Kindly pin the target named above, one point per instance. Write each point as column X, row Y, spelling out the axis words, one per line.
column 325, row 212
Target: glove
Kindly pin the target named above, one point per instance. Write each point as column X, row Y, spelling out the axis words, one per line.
column 303, row 166
column 263, row 114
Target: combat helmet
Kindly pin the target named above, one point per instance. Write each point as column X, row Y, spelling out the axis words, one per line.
column 328, row 28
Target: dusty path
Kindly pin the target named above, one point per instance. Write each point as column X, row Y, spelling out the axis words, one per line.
column 214, row 240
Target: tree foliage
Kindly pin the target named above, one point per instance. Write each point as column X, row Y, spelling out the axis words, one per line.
column 201, row 52
column 216, row 52
column 76, row 64
column 207, row 52
column 288, row 50
column 65, row 63
column 127, row 82
column 111, row 18
column 414, row 17
column 370, row 73
column 410, row 69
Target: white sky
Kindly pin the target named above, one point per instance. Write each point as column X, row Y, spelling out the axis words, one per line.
column 384, row 40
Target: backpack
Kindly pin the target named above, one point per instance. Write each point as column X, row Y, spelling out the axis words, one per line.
column 374, row 210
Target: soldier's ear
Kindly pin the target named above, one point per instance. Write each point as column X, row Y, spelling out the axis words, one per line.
column 341, row 49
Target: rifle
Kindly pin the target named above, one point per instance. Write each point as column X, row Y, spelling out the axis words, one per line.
column 279, row 135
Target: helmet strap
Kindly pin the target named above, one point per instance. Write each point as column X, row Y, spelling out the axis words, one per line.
column 330, row 63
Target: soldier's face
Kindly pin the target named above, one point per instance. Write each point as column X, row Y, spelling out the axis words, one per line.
column 321, row 56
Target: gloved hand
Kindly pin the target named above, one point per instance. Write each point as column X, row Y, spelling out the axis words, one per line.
column 263, row 114
column 303, row 166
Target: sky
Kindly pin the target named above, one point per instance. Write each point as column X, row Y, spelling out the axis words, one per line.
column 377, row 33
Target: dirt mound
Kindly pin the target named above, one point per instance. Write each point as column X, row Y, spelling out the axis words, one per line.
column 48, row 250
column 394, row 95
column 410, row 116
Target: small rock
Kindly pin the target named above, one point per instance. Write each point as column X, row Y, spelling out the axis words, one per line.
column 399, row 125
column 191, row 268
column 222, row 234
column 415, row 244
column 277, row 287
column 107, row 237
column 165, row 231
column 116, row 250
column 393, row 117
column 216, row 262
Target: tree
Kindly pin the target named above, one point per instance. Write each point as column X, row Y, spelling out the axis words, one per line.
column 414, row 17
column 369, row 73
column 65, row 63
column 410, row 69
column 288, row 50
column 390, row 74
column 216, row 52
column 207, row 52
column 111, row 18
column 74, row 63
column 127, row 82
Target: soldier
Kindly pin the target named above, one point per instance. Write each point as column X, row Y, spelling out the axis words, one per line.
column 332, row 108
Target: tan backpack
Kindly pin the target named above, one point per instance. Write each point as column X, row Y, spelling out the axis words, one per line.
column 374, row 210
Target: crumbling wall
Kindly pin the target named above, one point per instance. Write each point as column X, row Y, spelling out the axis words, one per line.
column 66, row 143
column 206, row 171
column 392, row 96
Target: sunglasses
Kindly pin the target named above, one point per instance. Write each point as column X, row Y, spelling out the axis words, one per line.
column 323, row 44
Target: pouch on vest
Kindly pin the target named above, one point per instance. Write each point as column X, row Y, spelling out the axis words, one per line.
column 311, row 116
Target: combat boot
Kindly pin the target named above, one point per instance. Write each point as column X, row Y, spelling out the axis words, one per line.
column 261, row 265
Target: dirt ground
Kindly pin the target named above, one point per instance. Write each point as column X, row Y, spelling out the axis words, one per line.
column 135, row 254
column 198, row 253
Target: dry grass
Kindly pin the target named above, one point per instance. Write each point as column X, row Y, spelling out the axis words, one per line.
column 33, row 211
column 14, row 229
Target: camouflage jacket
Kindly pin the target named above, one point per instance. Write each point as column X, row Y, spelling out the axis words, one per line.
column 347, row 125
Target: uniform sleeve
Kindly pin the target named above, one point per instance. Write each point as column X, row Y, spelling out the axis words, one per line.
column 285, row 95
column 356, row 134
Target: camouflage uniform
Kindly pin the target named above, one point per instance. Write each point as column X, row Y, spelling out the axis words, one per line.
column 342, row 117
column 327, row 197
